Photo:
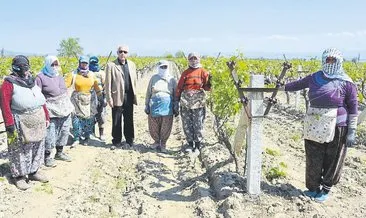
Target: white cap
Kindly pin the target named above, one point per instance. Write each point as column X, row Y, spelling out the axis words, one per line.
column 163, row 63
column 193, row 54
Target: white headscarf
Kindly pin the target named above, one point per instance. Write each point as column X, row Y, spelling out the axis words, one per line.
column 49, row 70
column 194, row 63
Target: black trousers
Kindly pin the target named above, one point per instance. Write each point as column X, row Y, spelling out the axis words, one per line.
column 324, row 161
column 126, row 110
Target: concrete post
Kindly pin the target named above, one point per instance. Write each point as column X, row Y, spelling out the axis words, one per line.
column 254, row 154
column 297, row 99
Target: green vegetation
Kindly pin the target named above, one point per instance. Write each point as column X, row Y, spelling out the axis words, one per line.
column 296, row 137
column 95, row 175
column 44, row 187
column 272, row 152
column 94, row 199
column 277, row 172
column 121, row 184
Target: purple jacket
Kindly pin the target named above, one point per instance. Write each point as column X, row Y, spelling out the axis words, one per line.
column 325, row 92
column 51, row 86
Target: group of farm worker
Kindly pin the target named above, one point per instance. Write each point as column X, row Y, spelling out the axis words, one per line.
column 39, row 113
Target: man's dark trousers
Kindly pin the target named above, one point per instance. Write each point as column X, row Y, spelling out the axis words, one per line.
column 126, row 110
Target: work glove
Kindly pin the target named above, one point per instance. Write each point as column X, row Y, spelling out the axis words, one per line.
column 147, row 110
column 12, row 134
column 350, row 138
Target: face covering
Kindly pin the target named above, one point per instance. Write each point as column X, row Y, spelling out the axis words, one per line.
column 94, row 64
column 332, row 69
column 194, row 63
column 55, row 70
column 20, row 65
column 21, row 70
column 83, row 70
column 94, row 67
column 163, row 73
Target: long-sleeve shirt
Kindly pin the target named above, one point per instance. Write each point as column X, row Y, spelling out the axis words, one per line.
column 193, row 79
column 6, row 98
column 325, row 92
column 51, row 86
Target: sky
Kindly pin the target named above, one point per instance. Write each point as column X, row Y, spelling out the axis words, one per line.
column 257, row 28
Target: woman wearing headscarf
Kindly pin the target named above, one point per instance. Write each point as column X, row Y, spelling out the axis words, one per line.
column 26, row 119
column 192, row 85
column 59, row 106
column 82, row 81
column 330, row 123
column 161, row 104
column 99, row 74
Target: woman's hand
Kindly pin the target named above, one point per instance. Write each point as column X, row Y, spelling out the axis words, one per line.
column 12, row 134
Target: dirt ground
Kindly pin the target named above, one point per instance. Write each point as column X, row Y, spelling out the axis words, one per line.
column 141, row 182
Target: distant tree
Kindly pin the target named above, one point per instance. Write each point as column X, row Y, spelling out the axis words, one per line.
column 70, row 47
column 179, row 54
column 356, row 59
column 168, row 55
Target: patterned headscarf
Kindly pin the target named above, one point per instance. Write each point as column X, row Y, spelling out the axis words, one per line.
column 334, row 70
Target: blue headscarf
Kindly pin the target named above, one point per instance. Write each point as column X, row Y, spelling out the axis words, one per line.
column 94, row 64
column 83, row 70
column 49, row 70
column 334, row 70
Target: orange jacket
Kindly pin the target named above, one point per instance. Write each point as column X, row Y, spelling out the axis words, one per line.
column 193, row 79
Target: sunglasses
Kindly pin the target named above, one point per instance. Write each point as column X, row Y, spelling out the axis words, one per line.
column 164, row 67
column 120, row 52
column 54, row 65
